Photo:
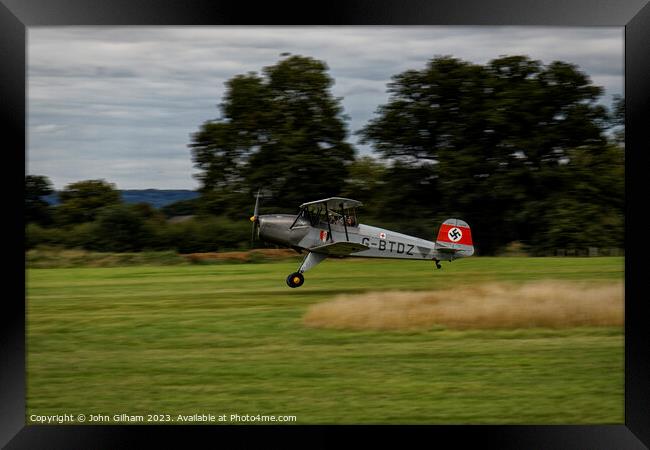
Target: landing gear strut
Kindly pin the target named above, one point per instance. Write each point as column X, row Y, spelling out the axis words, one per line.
column 295, row 280
column 438, row 266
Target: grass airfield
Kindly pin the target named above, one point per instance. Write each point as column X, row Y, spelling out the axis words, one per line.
column 230, row 339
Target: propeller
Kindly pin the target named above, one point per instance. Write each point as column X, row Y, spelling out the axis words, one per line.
column 254, row 218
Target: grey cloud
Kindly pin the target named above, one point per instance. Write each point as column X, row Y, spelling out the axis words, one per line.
column 39, row 70
column 116, row 101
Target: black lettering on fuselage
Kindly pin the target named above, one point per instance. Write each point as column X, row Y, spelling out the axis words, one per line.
column 382, row 245
column 365, row 241
column 391, row 245
column 400, row 247
column 408, row 252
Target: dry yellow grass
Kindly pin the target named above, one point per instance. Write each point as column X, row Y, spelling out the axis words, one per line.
column 552, row 304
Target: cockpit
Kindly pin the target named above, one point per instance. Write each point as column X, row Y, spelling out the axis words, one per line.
column 347, row 217
column 328, row 212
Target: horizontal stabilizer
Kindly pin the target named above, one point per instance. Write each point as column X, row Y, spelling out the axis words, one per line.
column 442, row 249
column 339, row 248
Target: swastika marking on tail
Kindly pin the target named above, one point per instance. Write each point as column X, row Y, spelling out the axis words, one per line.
column 454, row 234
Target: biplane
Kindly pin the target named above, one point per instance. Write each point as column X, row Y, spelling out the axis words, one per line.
column 329, row 228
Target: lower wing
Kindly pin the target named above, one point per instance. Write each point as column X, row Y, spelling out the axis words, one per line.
column 339, row 248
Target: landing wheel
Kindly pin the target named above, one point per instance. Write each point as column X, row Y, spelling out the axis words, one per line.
column 295, row 280
column 438, row 264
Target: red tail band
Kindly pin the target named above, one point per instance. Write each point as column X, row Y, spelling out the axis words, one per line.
column 455, row 234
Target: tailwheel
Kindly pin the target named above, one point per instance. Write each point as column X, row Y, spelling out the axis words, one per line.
column 295, row 280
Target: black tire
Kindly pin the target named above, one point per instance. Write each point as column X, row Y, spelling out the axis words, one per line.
column 295, row 280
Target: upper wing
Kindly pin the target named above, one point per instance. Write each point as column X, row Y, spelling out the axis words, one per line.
column 339, row 248
column 335, row 203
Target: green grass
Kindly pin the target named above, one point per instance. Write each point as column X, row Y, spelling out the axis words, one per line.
column 229, row 338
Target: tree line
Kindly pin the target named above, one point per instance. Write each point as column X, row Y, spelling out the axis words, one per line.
column 92, row 216
column 522, row 151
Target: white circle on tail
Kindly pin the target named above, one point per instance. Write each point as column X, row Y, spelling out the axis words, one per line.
column 454, row 234
column 382, row 235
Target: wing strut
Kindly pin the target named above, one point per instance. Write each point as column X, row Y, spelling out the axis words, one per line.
column 329, row 226
column 345, row 227
column 297, row 217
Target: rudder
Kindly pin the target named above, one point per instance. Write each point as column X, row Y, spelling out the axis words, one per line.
column 455, row 237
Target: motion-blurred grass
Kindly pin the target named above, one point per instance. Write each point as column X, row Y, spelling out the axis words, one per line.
column 229, row 338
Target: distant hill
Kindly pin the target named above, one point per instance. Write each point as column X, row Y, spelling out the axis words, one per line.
column 155, row 197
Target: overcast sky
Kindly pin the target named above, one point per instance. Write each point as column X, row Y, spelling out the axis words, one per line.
column 120, row 103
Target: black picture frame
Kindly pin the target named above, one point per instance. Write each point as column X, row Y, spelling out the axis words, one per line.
column 634, row 15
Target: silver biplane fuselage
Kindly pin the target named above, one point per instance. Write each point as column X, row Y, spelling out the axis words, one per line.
column 329, row 227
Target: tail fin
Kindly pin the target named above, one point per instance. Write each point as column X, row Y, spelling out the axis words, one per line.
column 454, row 239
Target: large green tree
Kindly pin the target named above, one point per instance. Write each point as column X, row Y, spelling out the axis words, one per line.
column 81, row 201
column 495, row 144
column 282, row 131
column 120, row 228
column 37, row 210
column 617, row 119
column 589, row 209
